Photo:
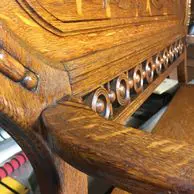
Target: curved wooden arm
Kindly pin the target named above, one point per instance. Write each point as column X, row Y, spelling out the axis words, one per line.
column 130, row 159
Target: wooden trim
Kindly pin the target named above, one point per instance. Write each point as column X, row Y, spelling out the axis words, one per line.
column 128, row 158
column 182, row 69
column 124, row 115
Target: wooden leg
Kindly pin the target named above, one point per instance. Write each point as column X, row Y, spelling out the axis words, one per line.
column 182, row 70
column 72, row 181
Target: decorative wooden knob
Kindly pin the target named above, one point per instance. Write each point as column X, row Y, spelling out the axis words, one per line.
column 158, row 62
column 165, row 57
column 122, row 89
column 30, row 81
column 100, row 106
column 180, row 47
column 138, row 79
column 149, row 70
column 130, row 83
column 99, row 101
column 112, row 96
column 175, row 50
column 171, row 54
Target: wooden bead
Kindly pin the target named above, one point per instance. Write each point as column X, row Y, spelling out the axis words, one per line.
column 30, row 81
column 180, row 47
column 149, row 70
column 175, row 49
column 158, row 63
column 99, row 101
column 122, row 90
column 171, row 54
column 130, row 83
column 138, row 79
column 121, row 87
column 112, row 96
column 165, row 58
column 100, row 106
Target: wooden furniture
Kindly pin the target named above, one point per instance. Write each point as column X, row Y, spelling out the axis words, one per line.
column 60, row 62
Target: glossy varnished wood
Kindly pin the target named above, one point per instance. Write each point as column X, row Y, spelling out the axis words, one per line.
column 128, row 158
column 122, row 116
column 99, row 15
column 71, row 181
column 119, row 191
column 177, row 122
column 55, row 50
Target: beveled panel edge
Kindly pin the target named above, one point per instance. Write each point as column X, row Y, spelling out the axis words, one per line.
column 88, row 83
column 69, row 28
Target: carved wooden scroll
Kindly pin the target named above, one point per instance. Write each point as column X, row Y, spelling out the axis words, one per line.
column 124, row 89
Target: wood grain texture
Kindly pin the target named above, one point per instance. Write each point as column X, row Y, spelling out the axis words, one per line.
column 16, row 71
column 11, row 67
column 128, row 158
column 98, row 14
column 119, row 191
column 182, row 70
column 37, row 152
column 72, row 181
column 71, row 53
column 177, row 122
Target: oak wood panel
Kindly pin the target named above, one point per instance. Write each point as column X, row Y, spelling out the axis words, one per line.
column 182, row 70
column 23, row 107
column 177, row 121
column 83, row 10
column 29, row 58
column 128, row 158
column 94, row 15
column 72, row 181
column 84, row 82
column 62, row 49
column 122, row 116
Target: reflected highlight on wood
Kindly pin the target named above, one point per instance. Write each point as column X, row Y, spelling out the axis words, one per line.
column 130, row 159
column 17, row 72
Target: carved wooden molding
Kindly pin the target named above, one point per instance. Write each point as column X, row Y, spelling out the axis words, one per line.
column 11, row 68
column 124, row 89
column 97, row 13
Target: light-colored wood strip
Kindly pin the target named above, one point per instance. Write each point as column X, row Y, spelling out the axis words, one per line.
column 10, row 67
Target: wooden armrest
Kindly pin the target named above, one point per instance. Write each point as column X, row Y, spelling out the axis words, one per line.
column 133, row 160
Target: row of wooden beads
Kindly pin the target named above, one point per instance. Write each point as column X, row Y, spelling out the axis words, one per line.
column 118, row 91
